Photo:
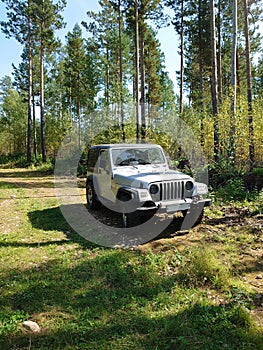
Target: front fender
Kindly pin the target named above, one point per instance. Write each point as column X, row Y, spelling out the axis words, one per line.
column 126, row 194
column 139, row 195
column 200, row 189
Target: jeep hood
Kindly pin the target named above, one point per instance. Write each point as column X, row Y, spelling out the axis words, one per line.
column 142, row 180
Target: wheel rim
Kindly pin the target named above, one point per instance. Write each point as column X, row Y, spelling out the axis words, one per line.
column 124, row 220
column 89, row 195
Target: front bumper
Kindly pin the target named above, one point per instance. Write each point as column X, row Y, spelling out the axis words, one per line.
column 173, row 207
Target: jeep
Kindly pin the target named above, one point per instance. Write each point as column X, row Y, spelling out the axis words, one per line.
column 135, row 180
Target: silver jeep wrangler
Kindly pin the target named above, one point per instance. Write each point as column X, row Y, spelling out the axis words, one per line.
column 135, row 180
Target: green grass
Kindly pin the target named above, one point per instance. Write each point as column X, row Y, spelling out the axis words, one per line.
column 88, row 297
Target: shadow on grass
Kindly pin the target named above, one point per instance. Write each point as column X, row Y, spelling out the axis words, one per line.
column 27, row 185
column 49, row 220
column 112, row 302
column 7, row 185
column 52, row 219
column 25, row 173
column 88, row 296
column 34, row 184
column 35, row 244
column 196, row 328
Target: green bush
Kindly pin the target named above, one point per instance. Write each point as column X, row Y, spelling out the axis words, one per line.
column 258, row 171
column 234, row 190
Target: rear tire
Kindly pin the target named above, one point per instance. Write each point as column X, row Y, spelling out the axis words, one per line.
column 91, row 196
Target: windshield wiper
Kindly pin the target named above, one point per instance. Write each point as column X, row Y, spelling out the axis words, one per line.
column 143, row 162
column 131, row 161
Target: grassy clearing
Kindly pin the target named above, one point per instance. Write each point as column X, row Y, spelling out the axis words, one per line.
column 198, row 291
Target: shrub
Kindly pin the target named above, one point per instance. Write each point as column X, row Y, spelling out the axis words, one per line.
column 234, row 190
column 254, row 179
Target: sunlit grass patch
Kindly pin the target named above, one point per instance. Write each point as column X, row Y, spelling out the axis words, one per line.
column 201, row 267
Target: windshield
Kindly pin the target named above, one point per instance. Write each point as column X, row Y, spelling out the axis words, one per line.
column 135, row 156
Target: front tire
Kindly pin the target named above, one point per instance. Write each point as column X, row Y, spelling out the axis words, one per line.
column 193, row 217
column 131, row 219
column 91, row 196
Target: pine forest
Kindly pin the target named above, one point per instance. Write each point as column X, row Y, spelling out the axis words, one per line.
column 111, row 84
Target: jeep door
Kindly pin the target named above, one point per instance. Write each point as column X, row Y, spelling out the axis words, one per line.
column 104, row 175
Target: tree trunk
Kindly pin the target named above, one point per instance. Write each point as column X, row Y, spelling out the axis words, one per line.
column 79, row 114
column 181, row 79
column 142, row 69
column 137, row 102
column 29, row 118
column 232, row 147
column 121, row 71
column 214, row 87
column 201, row 79
column 219, row 58
column 34, row 127
column 182, row 59
column 70, row 107
column 107, row 91
column 42, row 106
column 249, row 91
column 29, row 97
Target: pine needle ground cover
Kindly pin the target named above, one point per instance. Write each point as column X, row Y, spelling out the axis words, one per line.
column 202, row 290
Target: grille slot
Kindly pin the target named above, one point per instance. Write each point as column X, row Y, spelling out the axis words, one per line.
column 171, row 190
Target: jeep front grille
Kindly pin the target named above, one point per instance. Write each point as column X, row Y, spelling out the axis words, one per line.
column 169, row 190
column 172, row 190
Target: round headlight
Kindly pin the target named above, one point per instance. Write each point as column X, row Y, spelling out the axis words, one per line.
column 154, row 189
column 189, row 185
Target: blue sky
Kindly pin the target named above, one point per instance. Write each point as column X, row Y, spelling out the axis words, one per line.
column 75, row 12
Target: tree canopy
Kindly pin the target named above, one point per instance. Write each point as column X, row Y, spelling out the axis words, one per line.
column 58, row 88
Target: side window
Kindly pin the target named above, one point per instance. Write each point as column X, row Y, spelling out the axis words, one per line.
column 92, row 159
column 104, row 162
